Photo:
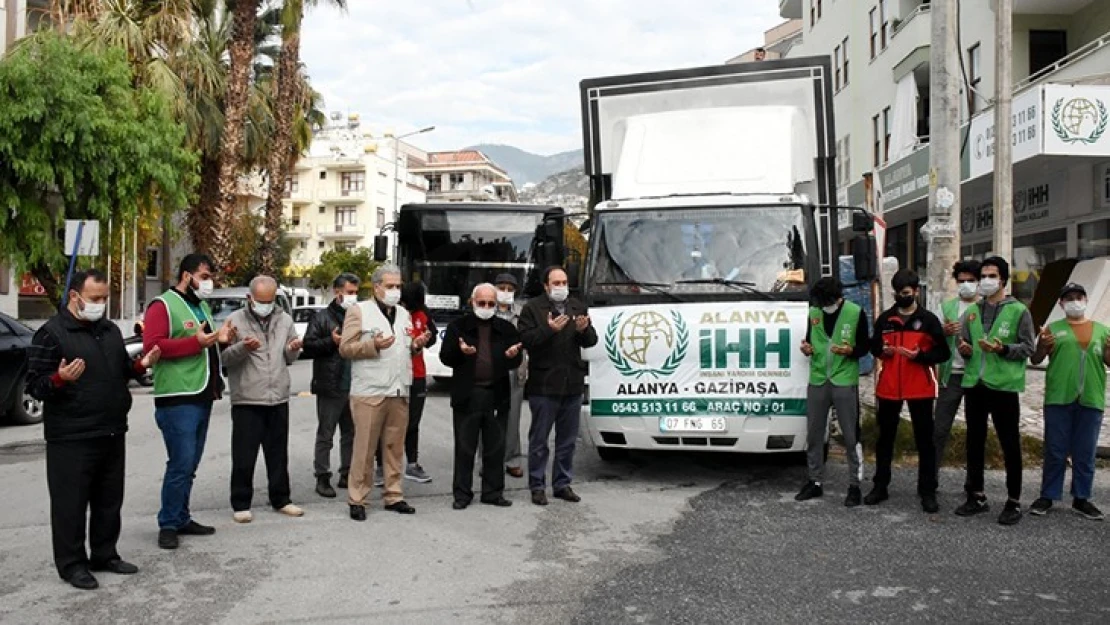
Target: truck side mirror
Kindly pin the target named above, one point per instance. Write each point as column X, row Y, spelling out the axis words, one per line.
column 381, row 248
column 574, row 269
column 864, row 257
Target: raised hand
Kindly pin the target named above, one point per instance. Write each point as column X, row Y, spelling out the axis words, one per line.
column 557, row 323
column 964, row 348
column 207, row 339
column 513, row 351
column 227, row 333
column 807, row 349
column 993, row 347
column 841, row 350
column 151, row 357
column 952, row 329
column 295, row 345
column 336, row 336
column 252, row 343
column 909, row 353
column 466, row 348
column 1047, row 338
column 383, row 342
column 422, row 340
column 581, row 322
column 888, row 350
column 71, row 371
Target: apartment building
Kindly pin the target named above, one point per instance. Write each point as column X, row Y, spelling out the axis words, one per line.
column 347, row 189
column 465, row 176
column 777, row 42
column 879, row 51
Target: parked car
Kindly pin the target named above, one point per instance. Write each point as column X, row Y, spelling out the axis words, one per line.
column 301, row 318
column 223, row 302
column 15, row 404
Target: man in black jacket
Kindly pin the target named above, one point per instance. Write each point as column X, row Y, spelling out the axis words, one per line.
column 80, row 369
column 554, row 329
column 331, row 383
column 481, row 349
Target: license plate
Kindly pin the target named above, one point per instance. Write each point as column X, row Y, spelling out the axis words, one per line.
column 693, row 424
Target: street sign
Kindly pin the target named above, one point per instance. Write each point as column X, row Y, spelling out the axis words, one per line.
column 90, row 237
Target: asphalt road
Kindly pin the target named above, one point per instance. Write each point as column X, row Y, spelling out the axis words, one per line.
column 658, row 539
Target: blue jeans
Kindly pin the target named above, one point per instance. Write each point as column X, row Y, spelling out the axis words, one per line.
column 563, row 414
column 1070, row 430
column 184, row 430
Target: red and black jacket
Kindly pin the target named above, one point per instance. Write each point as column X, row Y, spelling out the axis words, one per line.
column 900, row 377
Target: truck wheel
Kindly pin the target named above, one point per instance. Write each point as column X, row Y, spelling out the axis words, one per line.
column 25, row 410
column 612, row 454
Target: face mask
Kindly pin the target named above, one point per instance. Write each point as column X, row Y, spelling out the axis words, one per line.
column 93, row 312
column 904, row 301
column 830, row 309
column 968, row 289
column 392, row 297
column 988, row 286
column 505, row 298
column 204, row 288
column 348, row 300
column 262, row 310
column 485, row 314
column 1075, row 308
column 559, row 293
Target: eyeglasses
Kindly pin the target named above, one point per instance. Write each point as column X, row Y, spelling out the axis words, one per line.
column 485, row 304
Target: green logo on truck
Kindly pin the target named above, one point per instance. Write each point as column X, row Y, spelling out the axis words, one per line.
column 634, row 344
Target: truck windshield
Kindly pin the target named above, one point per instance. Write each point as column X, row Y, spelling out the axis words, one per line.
column 702, row 250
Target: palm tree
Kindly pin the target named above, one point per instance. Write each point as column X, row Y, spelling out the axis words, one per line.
column 289, row 97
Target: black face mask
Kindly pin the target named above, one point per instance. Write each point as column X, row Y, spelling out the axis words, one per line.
column 904, row 301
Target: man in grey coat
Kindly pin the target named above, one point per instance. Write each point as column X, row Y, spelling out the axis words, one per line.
column 258, row 369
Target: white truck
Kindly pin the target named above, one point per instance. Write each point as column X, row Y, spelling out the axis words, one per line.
column 711, row 218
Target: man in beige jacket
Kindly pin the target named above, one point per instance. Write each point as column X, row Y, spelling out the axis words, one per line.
column 376, row 337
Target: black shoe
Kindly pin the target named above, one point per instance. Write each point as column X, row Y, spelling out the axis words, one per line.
column 975, row 504
column 358, row 513
column 566, row 494
column 83, row 579
column 192, row 528
column 853, row 498
column 117, row 566
column 877, row 495
column 1087, row 509
column 1041, row 506
column 167, row 539
column 342, row 483
column 500, row 502
column 1011, row 513
column 539, row 498
column 809, row 491
column 323, row 487
column 401, row 507
column 459, row 504
column 929, row 503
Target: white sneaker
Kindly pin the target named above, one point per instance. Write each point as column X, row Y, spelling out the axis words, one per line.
column 243, row 516
column 291, row 510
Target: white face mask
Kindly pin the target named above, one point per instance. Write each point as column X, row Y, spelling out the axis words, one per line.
column 485, row 314
column 830, row 309
column 559, row 293
column 988, row 286
column 505, row 298
column 204, row 288
column 93, row 312
column 346, row 301
column 392, row 297
column 262, row 310
column 968, row 290
column 1075, row 308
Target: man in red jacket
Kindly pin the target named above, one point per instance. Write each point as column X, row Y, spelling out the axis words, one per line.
column 910, row 342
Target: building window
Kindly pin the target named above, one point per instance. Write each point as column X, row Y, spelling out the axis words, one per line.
column 320, row 245
column 435, row 184
column 344, row 216
column 323, row 209
column 352, row 182
column 457, row 181
column 323, row 175
column 885, row 17
column 812, row 13
column 886, row 135
column 296, row 217
column 974, row 76
column 152, row 263
column 836, row 65
column 292, row 185
column 877, row 140
column 873, row 21
column 345, row 245
column 381, row 217
column 844, row 52
column 1094, row 239
column 304, row 245
column 897, row 244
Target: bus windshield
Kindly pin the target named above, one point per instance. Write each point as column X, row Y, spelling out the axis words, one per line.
column 702, row 250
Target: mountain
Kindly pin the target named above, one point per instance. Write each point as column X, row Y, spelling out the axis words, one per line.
column 525, row 167
column 569, row 189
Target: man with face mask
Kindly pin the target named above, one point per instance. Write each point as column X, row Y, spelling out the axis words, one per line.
column 331, row 383
column 377, row 337
column 258, row 370
column 966, row 275
column 996, row 339
column 554, row 329
column 186, row 382
column 80, row 370
column 1078, row 350
column 836, row 338
column 909, row 342
column 481, row 350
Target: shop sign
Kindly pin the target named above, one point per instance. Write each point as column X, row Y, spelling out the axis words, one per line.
column 1032, row 204
column 1025, row 139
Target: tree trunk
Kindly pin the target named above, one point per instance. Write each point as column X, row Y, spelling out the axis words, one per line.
column 235, row 114
column 49, row 283
column 202, row 217
column 281, row 153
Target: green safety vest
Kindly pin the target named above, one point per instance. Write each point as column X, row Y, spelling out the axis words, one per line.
column 950, row 310
column 182, row 376
column 1076, row 374
column 825, row 366
column 993, row 370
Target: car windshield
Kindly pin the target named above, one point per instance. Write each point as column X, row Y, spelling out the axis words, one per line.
column 222, row 307
column 703, row 250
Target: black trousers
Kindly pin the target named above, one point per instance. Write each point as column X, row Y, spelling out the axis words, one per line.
column 889, row 416
column 253, row 427
column 480, row 418
column 1004, row 409
column 85, row 478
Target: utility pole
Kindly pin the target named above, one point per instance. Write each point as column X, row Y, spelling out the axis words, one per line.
column 1003, row 130
column 396, row 176
column 942, row 231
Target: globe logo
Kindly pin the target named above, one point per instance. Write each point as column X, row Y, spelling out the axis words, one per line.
column 646, row 343
column 1079, row 120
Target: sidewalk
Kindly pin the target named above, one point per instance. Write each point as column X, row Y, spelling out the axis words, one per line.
column 1032, row 407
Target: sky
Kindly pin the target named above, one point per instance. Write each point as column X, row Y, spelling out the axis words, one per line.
column 507, row 71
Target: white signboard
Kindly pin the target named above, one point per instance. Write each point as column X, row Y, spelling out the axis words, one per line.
column 1034, row 201
column 1077, row 120
column 1026, row 139
column 442, row 302
column 90, row 237
column 705, row 359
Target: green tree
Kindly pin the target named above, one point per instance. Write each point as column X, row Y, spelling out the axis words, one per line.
column 359, row 261
column 244, row 261
column 79, row 141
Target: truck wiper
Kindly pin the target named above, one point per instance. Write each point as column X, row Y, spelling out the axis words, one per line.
column 654, row 287
column 739, row 285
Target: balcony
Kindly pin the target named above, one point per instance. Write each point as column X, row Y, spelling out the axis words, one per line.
column 341, row 196
column 341, row 231
column 909, row 42
column 790, row 9
column 297, row 198
column 298, row 231
column 1085, row 64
